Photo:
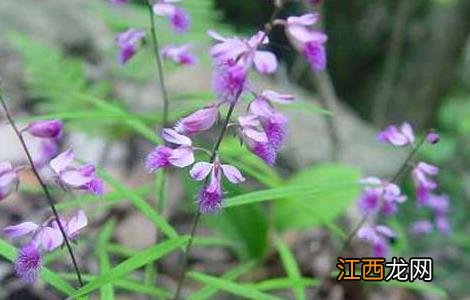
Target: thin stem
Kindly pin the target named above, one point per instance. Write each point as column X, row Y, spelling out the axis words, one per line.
column 268, row 28
column 198, row 213
column 158, row 61
column 49, row 197
column 366, row 216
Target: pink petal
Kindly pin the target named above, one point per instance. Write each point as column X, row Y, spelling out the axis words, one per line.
column 163, row 9
column 201, row 170
column 428, row 168
column 215, row 35
column 5, row 167
column 255, row 135
column 20, row 229
column 50, row 238
column 407, row 131
column 277, row 97
column 257, row 39
column 232, row 174
column 75, row 178
column 76, row 223
column 384, row 230
column 182, row 157
column 172, row 136
column 265, row 62
column 62, row 161
column 304, row 20
column 261, row 107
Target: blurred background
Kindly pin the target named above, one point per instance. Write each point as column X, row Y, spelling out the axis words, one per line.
column 388, row 61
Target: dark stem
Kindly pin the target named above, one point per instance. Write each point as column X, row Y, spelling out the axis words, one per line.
column 365, row 217
column 158, row 61
column 49, row 197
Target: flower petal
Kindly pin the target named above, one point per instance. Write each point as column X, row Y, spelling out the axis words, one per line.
column 76, row 223
column 277, row 97
column 201, row 170
column 50, row 238
column 20, row 229
column 265, row 62
column 75, row 178
column 232, row 174
column 182, row 157
column 62, row 161
column 172, row 136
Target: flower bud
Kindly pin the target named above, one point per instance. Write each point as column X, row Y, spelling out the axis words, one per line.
column 198, row 121
column 45, row 129
column 432, row 138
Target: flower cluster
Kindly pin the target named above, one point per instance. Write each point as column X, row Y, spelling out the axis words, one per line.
column 44, row 238
column 263, row 128
column 381, row 196
column 68, row 174
column 129, row 40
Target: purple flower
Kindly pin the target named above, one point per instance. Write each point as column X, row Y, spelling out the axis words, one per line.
column 442, row 224
column 439, row 204
column 211, row 197
column 8, row 179
column 199, row 120
column 229, row 81
column 164, row 157
column 179, row 54
column 310, row 43
column 48, row 148
column 432, row 138
column 48, row 236
column 256, row 139
column 380, row 195
column 244, row 52
column 421, row 227
column 45, row 129
column 273, row 122
column 80, row 177
column 424, row 184
column 28, row 263
column 397, row 137
column 178, row 17
column 379, row 237
column 128, row 42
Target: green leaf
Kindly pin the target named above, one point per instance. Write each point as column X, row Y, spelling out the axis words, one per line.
column 209, row 292
column 332, row 189
column 136, row 261
column 290, row 265
column 107, row 290
column 283, row 283
column 126, row 284
column 145, row 208
column 9, row 252
column 231, row 287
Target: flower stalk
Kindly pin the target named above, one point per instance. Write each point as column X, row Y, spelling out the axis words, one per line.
column 50, row 199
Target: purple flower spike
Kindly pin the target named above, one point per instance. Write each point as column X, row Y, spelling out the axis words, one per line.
column 8, row 179
column 178, row 17
column 46, row 129
column 128, row 42
column 179, row 54
column 76, row 176
column 421, row 227
column 397, row 137
column 211, row 196
column 28, row 263
column 432, row 138
column 198, row 121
